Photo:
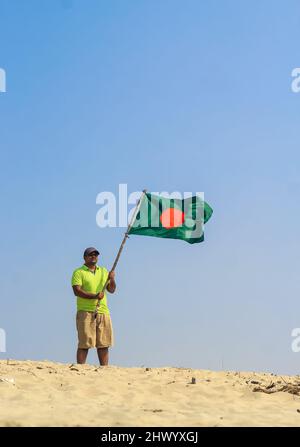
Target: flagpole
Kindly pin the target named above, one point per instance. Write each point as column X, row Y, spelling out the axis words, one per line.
column 137, row 208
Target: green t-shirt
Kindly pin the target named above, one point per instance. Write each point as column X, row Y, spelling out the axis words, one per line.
column 91, row 282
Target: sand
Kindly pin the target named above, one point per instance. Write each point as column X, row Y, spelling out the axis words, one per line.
column 54, row 394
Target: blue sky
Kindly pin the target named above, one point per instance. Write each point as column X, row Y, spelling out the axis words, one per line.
column 169, row 96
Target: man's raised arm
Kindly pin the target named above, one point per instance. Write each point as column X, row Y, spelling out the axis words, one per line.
column 111, row 286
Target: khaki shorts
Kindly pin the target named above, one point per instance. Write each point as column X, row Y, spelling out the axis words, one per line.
column 93, row 333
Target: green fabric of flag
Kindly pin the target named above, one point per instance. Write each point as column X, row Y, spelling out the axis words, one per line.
column 172, row 218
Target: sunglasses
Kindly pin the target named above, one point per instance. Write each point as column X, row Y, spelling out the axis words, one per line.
column 92, row 255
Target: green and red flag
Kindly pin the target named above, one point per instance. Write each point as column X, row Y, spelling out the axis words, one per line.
column 172, row 218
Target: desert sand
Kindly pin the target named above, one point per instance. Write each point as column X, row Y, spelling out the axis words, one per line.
column 53, row 394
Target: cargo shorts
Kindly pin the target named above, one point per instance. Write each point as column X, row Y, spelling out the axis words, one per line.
column 94, row 332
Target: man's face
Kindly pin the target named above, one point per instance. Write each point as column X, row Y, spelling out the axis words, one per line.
column 92, row 258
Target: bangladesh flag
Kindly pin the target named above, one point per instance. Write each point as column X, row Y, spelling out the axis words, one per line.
column 172, row 218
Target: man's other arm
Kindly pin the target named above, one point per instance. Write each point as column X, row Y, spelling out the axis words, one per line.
column 88, row 295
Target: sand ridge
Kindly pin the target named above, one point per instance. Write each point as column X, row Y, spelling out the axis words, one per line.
column 44, row 393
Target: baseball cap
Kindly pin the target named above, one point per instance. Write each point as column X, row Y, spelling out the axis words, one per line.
column 90, row 250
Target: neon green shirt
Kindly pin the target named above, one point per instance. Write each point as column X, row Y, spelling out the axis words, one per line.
column 91, row 282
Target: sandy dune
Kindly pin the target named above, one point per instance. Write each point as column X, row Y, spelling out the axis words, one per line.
column 55, row 394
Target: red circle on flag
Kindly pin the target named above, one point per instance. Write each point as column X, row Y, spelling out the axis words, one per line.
column 171, row 218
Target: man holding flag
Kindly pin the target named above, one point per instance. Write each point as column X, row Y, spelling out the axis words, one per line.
column 153, row 216
column 93, row 322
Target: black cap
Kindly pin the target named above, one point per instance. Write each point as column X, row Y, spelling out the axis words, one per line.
column 90, row 250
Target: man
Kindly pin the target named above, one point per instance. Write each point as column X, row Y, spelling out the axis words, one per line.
column 87, row 282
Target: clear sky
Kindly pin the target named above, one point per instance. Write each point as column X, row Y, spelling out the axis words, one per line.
column 170, row 96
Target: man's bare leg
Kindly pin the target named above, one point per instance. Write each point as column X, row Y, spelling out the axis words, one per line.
column 82, row 355
column 103, row 356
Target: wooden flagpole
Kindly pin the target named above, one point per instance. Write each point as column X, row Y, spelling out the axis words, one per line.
column 137, row 208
